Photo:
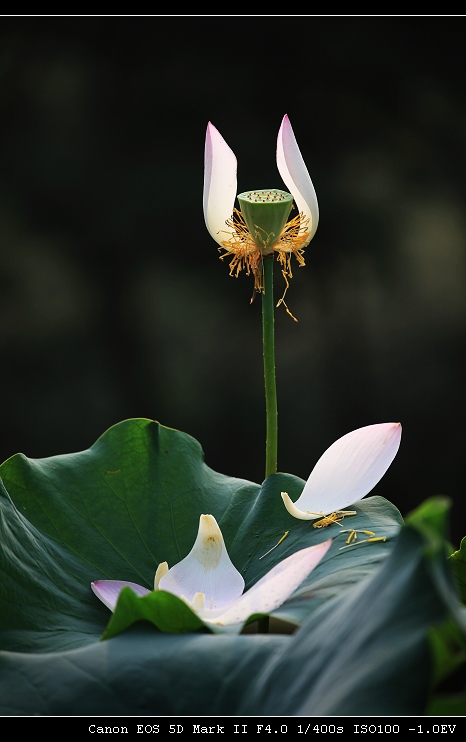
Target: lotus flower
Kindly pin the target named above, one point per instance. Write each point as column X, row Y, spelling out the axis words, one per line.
column 261, row 227
column 347, row 471
column 211, row 585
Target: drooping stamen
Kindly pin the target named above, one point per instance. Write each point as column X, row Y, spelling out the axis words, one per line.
column 277, row 544
column 247, row 255
column 352, row 539
column 353, row 533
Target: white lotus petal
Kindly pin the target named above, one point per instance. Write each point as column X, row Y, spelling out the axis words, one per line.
column 295, row 175
column 219, row 183
column 108, row 590
column 207, row 569
column 274, row 588
column 161, row 570
column 294, row 511
column 348, row 470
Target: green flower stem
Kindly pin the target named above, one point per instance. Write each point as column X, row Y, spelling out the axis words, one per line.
column 268, row 343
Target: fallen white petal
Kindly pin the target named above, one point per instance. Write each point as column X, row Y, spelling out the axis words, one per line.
column 207, row 569
column 273, row 589
column 347, row 471
column 219, row 183
column 293, row 170
column 108, row 590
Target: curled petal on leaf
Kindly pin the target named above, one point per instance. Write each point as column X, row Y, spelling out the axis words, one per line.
column 209, row 583
column 207, row 569
column 219, row 183
column 347, row 471
column 295, row 175
column 273, row 589
column 108, row 590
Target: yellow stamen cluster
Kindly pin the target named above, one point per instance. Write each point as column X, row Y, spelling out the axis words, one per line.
column 335, row 517
column 247, row 255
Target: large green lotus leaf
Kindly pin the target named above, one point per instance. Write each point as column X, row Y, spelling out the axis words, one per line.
column 113, row 511
column 139, row 672
column 363, row 652
column 127, row 503
column 344, row 564
column 44, row 589
column 269, row 520
column 133, row 500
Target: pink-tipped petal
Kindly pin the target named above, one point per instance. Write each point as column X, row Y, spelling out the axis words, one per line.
column 348, row 470
column 207, row 569
column 295, row 175
column 219, row 183
column 275, row 587
column 108, row 590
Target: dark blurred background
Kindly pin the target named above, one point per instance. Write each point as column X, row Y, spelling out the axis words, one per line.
column 114, row 303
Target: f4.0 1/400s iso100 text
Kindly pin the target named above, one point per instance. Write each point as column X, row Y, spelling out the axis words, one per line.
column 292, row 727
